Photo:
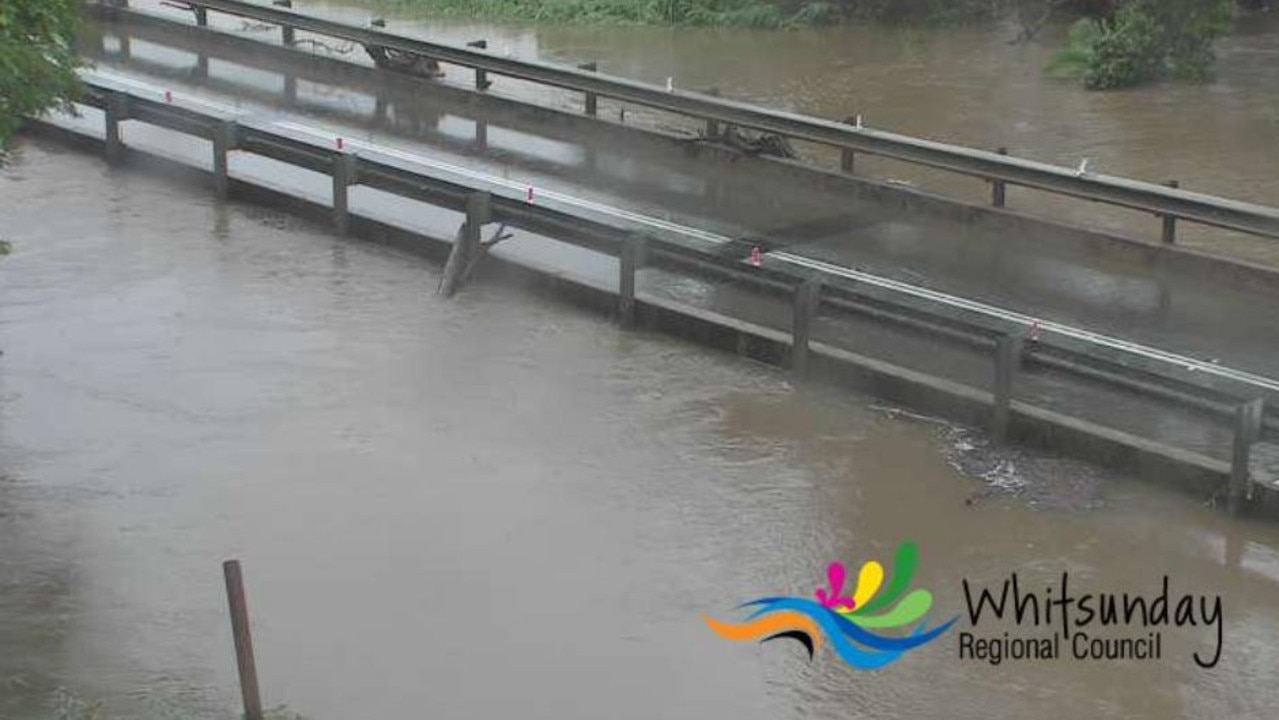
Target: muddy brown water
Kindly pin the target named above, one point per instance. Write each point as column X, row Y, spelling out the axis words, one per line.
column 970, row 86
column 502, row 505
column 497, row 505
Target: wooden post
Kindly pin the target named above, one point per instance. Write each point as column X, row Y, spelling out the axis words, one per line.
column 632, row 257
column 224, row 141
column 1008, row 350
column 344, row 175
column 1170, row 221
column 116, row 112
column 804, row 308
column 998, row 190
column 592, row 100
column 243, row 640
column 847, row 158
column 712, row 126
column 478, row 212
column 1247, row 431
column 481, row 77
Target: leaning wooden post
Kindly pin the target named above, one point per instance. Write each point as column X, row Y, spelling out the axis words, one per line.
column 345, row 170
column 1008, row 352
column 243, row 640
column 804, row 309
column 481, row 76
column 1169, row 236
column 998, row 189
column 592, row 100
column 116, row 112
column 633, row 256
column 224, row 141
column 1247, row 432
column 465, row 247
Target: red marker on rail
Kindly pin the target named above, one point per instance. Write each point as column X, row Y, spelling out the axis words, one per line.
column 168, row 97
column 339, row 143
column 757, row 258
column 1034, row 330
column 530, row 193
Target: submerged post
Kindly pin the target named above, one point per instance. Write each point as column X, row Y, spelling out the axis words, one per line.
column 116, row 112
column 847, row 157
column 243, row 640
column 467, row 245
column 1169, row 236
column 592, row 100
column 224, row 141
column 632, row 257
column 1008, row 351
column 712, row 126
column 998, row 189
column 481, row 76
column 804, row 309
column 344, row 176
column 286, row 31
column 1247, row 432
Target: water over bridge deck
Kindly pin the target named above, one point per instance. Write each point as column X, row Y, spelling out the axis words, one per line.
column 1153, row 317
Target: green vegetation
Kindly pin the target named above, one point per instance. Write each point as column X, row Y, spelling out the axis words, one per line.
column 37, row 60
column 1145, row 40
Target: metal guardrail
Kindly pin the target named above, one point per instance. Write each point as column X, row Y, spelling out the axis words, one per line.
column 1001, row 169
column 810, row 284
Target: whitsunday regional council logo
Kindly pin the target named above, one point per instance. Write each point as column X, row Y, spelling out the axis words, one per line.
column 1006, row 622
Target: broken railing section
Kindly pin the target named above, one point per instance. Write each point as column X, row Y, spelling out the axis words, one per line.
column 468, row 249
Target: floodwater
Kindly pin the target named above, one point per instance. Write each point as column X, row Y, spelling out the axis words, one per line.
column 971, row 86
column 502, row 505
column 498, row 505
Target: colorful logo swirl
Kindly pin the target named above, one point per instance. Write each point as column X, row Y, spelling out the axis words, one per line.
column 853, row 624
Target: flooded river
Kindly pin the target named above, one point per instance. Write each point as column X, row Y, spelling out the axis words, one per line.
column 970, row 86
column 501, row 505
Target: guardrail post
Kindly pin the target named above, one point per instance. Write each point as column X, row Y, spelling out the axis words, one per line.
column 592, row 100
column 224, row 141
column 290, row 88
column 712, row 126
column 847, row 157
column 116, row 111
column 804, row 308
column 1170, row 221
column 244, row 661
column 201, row 16
column 633, row 255
column 467, row 244
column 481, row 77
column 344, row 176
column 286, row 31
column 1247, row 431
column 1008, row 353
column 998, row 189
column 481, row 135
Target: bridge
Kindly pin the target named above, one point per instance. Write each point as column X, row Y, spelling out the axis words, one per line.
column 1138, row 352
